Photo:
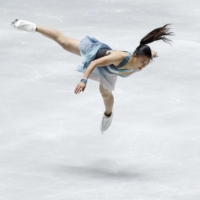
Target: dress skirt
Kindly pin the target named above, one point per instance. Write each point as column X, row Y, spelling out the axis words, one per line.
column 88, row 49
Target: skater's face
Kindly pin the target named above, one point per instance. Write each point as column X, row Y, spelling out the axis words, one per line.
column 141, row 62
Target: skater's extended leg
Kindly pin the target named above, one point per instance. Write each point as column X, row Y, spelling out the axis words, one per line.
column 108, row 100
column 69, row 44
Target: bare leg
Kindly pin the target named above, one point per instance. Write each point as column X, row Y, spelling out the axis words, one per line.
column 67, row 43
column 108, row 100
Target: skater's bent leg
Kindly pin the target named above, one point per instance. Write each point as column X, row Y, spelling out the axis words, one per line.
column 67, row 43
column 108, row 99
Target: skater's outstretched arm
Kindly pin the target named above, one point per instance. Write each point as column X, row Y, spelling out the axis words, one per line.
column 115, row 59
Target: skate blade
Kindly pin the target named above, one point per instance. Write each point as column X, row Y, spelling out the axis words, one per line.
column 13, row 23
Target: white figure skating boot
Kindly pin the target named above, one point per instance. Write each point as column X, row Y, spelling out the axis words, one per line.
column 24, row 25
column 106, row 122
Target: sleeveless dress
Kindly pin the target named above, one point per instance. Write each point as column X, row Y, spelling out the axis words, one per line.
column 90, row 49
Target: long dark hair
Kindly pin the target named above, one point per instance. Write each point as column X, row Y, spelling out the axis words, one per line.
column 156, row 34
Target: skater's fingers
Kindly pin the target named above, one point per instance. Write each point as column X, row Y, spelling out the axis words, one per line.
column 79, row 88
column 76, row 90
column 82, row 88
column 79, row 91
column 155, row 55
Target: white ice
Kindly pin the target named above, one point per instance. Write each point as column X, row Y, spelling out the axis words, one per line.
column 51, row 147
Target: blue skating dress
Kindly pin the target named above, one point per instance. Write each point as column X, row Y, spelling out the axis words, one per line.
column 106, row 75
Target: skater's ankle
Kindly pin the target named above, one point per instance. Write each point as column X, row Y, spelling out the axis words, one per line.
column 108, row 114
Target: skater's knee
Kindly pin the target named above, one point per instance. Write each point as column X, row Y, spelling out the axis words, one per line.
column 107, row 97
column 105, row 93
column 69, row 44
column 63, row 42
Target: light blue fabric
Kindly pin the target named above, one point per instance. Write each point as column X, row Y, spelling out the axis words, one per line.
column 106, row 75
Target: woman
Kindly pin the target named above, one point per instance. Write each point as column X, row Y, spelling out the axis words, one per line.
column 100, row 62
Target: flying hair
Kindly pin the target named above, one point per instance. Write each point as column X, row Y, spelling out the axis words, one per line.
column 158, row 34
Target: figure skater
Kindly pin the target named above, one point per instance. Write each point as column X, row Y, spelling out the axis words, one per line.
column 100, row 62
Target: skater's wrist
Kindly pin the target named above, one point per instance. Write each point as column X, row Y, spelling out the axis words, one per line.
column 83, row 80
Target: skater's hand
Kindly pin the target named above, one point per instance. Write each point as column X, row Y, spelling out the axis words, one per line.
column 154, row 54
column 80, row 88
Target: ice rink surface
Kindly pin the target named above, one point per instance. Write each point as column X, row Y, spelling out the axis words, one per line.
column 51, row 147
